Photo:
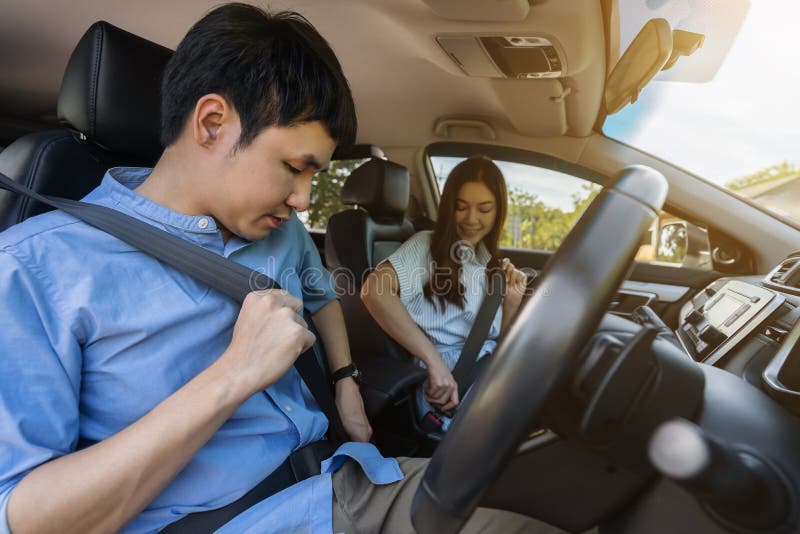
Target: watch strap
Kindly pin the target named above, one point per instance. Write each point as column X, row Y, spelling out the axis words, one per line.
column 345, row 372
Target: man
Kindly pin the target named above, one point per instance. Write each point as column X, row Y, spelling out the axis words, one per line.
column 131, row 395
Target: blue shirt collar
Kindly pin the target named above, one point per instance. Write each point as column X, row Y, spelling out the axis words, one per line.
column 119, row 184
column 117, row 188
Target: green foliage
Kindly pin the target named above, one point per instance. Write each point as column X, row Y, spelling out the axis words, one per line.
column 326, row 188
column 769, row 174
column 532, row 224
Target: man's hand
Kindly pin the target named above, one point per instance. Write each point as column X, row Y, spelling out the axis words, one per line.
column 121, row 474
column 268, row 337
column 351, row 409
column 442, row 388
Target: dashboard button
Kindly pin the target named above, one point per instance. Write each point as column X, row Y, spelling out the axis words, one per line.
column 694, row 317
column 712, row 336
column 732, row 319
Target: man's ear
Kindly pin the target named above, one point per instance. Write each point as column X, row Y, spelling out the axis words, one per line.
column 213, row 118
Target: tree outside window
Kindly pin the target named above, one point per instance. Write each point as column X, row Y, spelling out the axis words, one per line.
column 326, row 189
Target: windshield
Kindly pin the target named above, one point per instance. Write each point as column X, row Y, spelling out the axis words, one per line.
column 741, row 129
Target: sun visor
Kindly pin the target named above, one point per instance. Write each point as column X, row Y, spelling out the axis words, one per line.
column 534, row 107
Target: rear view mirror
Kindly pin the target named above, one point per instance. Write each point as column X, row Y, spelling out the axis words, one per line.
column 644, row 58
column 684, row 44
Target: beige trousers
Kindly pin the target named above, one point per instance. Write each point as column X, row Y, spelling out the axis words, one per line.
column 360, row 507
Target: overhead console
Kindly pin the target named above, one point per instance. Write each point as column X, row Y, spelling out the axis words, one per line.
column 506, row 56
column 480, row 10
column 723, row 314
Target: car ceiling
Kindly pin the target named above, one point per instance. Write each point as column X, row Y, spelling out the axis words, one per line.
column 403, row 82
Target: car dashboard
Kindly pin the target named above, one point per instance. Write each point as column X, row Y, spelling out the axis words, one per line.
column 750, row 327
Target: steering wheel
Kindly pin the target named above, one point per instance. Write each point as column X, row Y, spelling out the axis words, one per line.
column 553, row 327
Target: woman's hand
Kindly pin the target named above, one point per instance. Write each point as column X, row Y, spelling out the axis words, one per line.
column 442, row 387
column 516, row 282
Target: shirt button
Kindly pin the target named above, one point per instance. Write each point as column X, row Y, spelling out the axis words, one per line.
column 287, row 408
column 203, row 223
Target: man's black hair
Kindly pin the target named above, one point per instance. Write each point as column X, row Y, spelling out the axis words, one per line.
column 275, row 69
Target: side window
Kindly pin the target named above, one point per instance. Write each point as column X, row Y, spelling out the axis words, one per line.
column 543, row 204
column 675, row 242
column 326, row 187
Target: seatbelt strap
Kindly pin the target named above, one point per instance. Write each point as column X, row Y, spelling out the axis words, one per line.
column 226, row 276
column 208, row 521
column 300, row 465
column 462, row 372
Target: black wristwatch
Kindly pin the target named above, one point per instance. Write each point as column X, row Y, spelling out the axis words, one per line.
column 345, row 372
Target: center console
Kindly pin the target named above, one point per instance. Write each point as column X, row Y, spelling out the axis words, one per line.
column 717, row 318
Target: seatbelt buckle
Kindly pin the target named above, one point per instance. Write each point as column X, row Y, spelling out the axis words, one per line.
column 446, row 413
column 431, row 422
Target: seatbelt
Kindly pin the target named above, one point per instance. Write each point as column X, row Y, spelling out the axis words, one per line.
column 226, row 276
column 464, row 370
column 300, row 465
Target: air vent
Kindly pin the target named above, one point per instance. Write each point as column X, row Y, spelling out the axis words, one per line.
column 787, row 274
column 784, row 270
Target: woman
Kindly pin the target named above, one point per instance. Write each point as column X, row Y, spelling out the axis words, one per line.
column 427, row 294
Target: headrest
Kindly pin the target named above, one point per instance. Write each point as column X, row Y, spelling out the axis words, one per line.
column 111, row 90
column 381, row 188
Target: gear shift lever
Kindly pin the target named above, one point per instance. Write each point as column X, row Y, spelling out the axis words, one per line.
column 737, row 486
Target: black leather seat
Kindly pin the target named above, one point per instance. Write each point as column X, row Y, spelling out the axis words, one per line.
column 356, row 241
column 109, row 107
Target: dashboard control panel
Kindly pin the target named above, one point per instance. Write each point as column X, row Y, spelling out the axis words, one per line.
column 719, row 316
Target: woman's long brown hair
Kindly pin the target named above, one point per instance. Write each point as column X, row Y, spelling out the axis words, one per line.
column 445, row 279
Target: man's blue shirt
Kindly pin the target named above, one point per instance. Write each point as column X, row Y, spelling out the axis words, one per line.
column 94, row 334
